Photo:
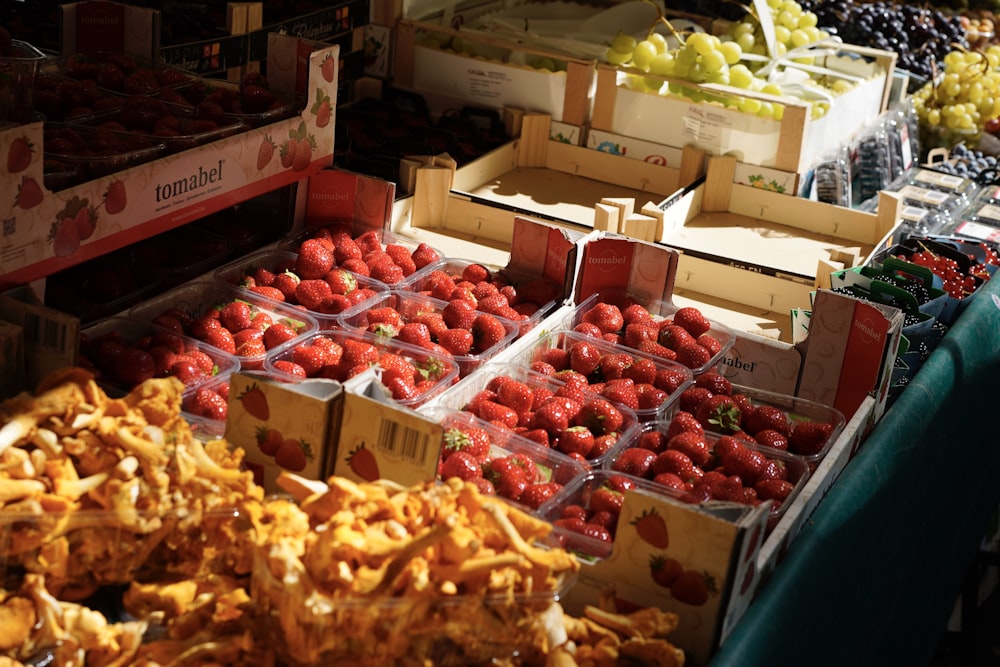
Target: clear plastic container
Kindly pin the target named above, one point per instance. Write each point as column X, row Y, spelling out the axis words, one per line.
column 118, row 72
column 410, row 306
column 176, row 132
column 550, row 466
column 202, row 297
column 459, row 397
column 18, row 72
column 438, row 371
column 97, row 152
column 531, row 311
column 661, row 311
column 276, row 104
column 796, row 468
column 236, row 272
column 565, row 340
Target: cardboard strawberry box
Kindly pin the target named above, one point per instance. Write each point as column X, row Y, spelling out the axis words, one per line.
column 142, row 200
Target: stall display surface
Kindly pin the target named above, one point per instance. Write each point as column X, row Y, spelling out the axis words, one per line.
column 873, row 576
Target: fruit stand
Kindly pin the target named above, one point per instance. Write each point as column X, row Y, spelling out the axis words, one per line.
column 584, row 390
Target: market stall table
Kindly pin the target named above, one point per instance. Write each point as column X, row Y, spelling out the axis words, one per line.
column 872, row 578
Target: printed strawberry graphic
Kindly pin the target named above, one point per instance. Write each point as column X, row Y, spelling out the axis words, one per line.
column 287, row 152
column 328, row 68
column 692, row 587
column 293, row 455
column 29, row 193
column 664, row 571
column 19, row 154
column 322, row 108
column 651, row 528
column 269, row 440
column 265, row 153
column 254, row 401
column 64, row 237
column 86, row 222
column 363, row 464
column 115, row 198
column 303, row 153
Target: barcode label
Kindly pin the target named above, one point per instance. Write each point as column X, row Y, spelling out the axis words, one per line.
column 45, row 332
column 408, row 444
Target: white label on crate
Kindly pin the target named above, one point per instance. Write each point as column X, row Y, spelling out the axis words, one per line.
column 975, row 230
column 989, row 213
column 489, row 82
column 923, row 195
column 913, row 213
column 939, row 179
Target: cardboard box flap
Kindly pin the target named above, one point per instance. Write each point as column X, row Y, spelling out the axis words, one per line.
column 339, row 195
column 612, row 262
column 545, row 251
column 89, row 27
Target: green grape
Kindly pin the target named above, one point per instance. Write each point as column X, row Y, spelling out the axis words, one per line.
column 749, row 105
column 758, row 49
column 778, row 111
column 799, row 38
column 771, row 89
column 934, row 117
column 746, row 41
column 659, row 41
column 740, row 76
column 663, row 64
column 782, row 34
column 792, row 7
column 653, row 84
column 721, row 77
column 643, row 54
column 713, row 61
column 623, row 43
column 701, row 42
column 814, row 34
column 787, row 20
column 697, row 72
column 818, row 110
column 686, row 56
column 766, row 110
column 774, row 4
column 617, row 57
column 808, row 20
column 841, row 86
column 731, row 51
column 744, row 28
column 681, row 70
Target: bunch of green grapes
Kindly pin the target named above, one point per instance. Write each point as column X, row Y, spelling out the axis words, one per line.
column 702, row 58
column 793, row 28
column 957, row 106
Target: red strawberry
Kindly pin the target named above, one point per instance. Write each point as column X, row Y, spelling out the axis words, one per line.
column 269, row 292
column 476, row 274
column 221, row 338
column 637, row 332
column 651, row 398
column 580, row 526
column 654, row 440
column 622, row 392
column 424, row 255
column 277, row 334
column 605, row 316
column 671, row 379
column 29, row 193
column 719, row 414
column 576, row 440
column 657, row 350
column 386, row 272
column 415, row 333
column 290, row 368
column 652, row 529
column 714, row 382
column 693, row 445
column 634, row 461
column 472, row 440
column 236, row 316
column 615, row 365
column 692, row 320
column 536, row 494
column 459, row 314
column 456, row 341
column 674, row 461
column 265, row 153
column 19, row 154
column 693, row 355
column 208, row 404
column 710, row 343
column 515, row 394
column 462, row 465
column 487, row 332
column 605, row 499
column 809, row 438
column 584, row 357
column 642, row 371
column 313, row 294
column 508, row 477
column 766, row 417
column 673, row 336
column 747, row 463
column 773, row 489
column 664, row 571
column 495, row 412
column 555, row 414
column 285, row 282
column 600, row 416
column 684, row 421
column 314, row 260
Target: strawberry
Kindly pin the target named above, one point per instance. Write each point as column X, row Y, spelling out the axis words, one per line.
column 653, row 440
column 265, row 153
column 588, row 329
column 584, row 357
column 809, row 438
column 269, row 292
column 693, row 355
column 414, row 333
column 472, row 440
column 605, row 316
column 221, row 338
column 773, row 489
column 747, row 463
column 693, row 445
column 536, row 494
column 651, row 398
column 605, row 499
column 774, row 469
column 710, row 343
column 400, row 255
column 615, row 365
column 575, row 440
column 653, row 348
column 277, row 334
column 725, row 444
column 580, row 526
column 236, row 315
column 19, row 154
column 497, row 413
column 638, row 332
column 600, row 416
column 487, row 332
column 767, row 417
column 290, row 368
column 208, row 404
column 456, row 341
column 673, row 336
column 346, row 249
column 285, row 282
column 719, row 414
column 341, row 281
column 515, row 394
column 676, row 462
column 313, row 293
column 664, row 571
column 386, row 272
column 714, row 382
column 29, row 193
column 671, row 379
column 358, row 353
column 555, row 414
column 634, row 461
column 692, row 320
column 622, row 392
column 462, row 465
column 314, row 260
column 684, row 421
column 641, row 371
column 508, row 477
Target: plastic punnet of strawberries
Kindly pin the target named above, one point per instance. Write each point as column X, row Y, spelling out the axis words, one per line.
column 370, row 253
column 685, row 337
